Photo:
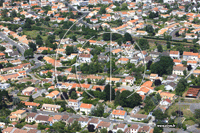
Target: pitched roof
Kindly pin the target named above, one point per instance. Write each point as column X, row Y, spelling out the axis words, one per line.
column 87, row 106
column 118, row 112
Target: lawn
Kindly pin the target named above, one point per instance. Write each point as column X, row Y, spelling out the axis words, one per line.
column 184, row 108
column 23, row 98
column 189, row 122
column 39, row 98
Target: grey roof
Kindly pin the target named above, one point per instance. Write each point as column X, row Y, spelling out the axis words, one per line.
column 42, row 117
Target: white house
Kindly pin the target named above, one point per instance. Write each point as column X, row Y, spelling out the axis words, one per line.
column 53, row 94
column 174, row 54
column 85, row 58
column 94, row 121
column 178, row 70
column 190, row 56
column 83, row 121
column 74, row 103
column 165, row 102
column 121, row 114
column 138, row 117
column 86, row 108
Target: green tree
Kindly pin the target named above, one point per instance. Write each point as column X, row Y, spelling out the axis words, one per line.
column 107, row 93
column 104, row 130
column 181, row 87
column 31, row 98
column 98, row 111
column 163, row 66
column 39, row 40
column 160, row 48
column 159, row 115
column 143, row 44
column 197, row 116
column 32, row 46
column 127, row 37
column 34, row 109
column 73, row 95
column 120, row 131
column 28, row 53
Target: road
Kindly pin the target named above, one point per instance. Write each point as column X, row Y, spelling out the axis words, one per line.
column 21, row 48
column 39, row 93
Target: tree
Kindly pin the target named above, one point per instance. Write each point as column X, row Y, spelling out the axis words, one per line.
column 74, row 95
column 163, row 66
column 157, row 82
column 185, row 73
column 98, row 111
column 149, row 29
column 107, row 93
column 127, row 37
column 64, row 95
column 181, row 86
column 90, row 128
column 168, row 45
column 189, row 67
column 118, row 84
column 143, row 44
column 157, row 130
column 39, row 40
column 159, row 47
column 159, row 114
column 16, row 100
column 31, row 98
column 120, row 131
column 34, row 109
column 32, row 46
column 104, row 130
column 28, row 53
column 197, row 116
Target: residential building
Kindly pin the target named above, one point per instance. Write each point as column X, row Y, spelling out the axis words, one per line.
column 86, row 108
column 138, row 117
column 29, row 91
column 51, row 107
column 74, row 103
column 53, row 94
column 119, row 114
column 17, row 115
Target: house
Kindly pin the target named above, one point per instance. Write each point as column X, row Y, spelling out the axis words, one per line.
column 123, row 60
column 130, row 80
column 74, row 103
column 57, row 118
column 138, row 117
column 153, row 76
column 17, row 130
column 85, row 58
column 193, row 63
column 133, row 128
column 94, row 121
column 119, row 114
column 120, row 126
column 97, row 87
column 177, row 61
column 31, row 104
column 135, row 60
column 166, row 95
column 31, row 117
column 190, row 56
column 42, row 119
column 17, row 115
column 179, row 70
column 174, row 54
column 83, row 121
column 53, row 94
column 106, row 125
column 29, row 91
column 165, row 102
column 50, row 107
column 4, row 86
column 115, row 80
column 41, row 49
column 192, row 93
column 196, row 73
column 154, row 55
column 65, row 118
column 86, row 108
column 170, row 86
column 144, row 129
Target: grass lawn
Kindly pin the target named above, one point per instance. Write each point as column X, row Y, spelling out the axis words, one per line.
column 32, row 34
column 111, row 104
column 39, row 98
column 23, row 98
column 184, row 108
column 189, row 122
